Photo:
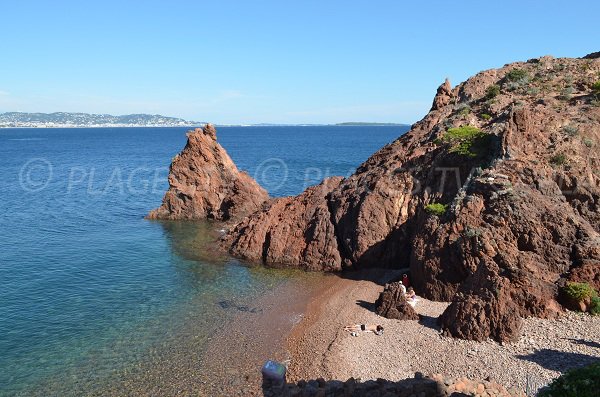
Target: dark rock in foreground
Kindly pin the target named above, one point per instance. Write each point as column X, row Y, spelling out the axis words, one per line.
column 419, row 386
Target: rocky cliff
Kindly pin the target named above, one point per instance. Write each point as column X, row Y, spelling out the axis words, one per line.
column 204, row 183
column 492, row 200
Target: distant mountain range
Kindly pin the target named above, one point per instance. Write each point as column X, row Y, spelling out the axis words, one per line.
column 361, row 123
column 66, row 120
column 62, row 119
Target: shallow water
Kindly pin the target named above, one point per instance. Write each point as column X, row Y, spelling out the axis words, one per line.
column 92, row 294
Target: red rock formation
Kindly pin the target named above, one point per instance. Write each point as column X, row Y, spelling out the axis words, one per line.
column 523, row 210
column 443, row 96
column 392, row 303
column 485, row 309
column 291, row 231
column 204, row 183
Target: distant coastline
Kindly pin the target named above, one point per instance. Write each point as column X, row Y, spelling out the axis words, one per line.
column 90, row 120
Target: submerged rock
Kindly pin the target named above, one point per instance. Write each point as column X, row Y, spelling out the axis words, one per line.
column 204, row 183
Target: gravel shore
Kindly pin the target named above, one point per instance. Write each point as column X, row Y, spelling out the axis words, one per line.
column 320, row 348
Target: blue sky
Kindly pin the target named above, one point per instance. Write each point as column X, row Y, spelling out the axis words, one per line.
column 270, row 61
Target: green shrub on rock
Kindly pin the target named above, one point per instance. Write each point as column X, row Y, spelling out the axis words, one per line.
column 436, row 209
column 492, row 91
column 596, row 89
column 595, row 306
column 467, row 141
column 558, row 159
column 570, row 130
column 579, row 382
column 517, row 74
column 579, row 291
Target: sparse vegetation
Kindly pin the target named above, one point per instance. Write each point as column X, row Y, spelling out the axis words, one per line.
column 569, row 79
column 558, row 159
column 486, row 116
column 492, row 91
column 471, row 232
column 586, row 66
column 579, row 382
column 467, row 141
column 436, row 209
column 515, row 79
column 595, row 306
column 596, row 89
column 567, row 93
column 464, row 109
column 517, row 74
column 570, row 130
column 588, row 142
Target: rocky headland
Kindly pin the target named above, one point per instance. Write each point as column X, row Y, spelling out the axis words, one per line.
column 204, row 183
column 492, row 199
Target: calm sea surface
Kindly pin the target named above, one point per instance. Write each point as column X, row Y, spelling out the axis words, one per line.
column 89, row 289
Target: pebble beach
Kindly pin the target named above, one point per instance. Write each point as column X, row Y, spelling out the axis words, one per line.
column 320, row 348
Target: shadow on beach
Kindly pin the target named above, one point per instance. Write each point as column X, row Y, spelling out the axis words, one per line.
column 584, row 342
column 558, row 361
column 379, row 276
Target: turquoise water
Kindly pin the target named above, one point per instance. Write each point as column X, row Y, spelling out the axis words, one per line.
column 89, row 289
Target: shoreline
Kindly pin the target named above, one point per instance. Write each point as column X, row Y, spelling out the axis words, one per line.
column 321, row 349
column 234, row 355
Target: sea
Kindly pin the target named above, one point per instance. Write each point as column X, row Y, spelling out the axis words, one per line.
column 93, row 297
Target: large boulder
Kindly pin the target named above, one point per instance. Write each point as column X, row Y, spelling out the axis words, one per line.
column 204, row 183
column 392, row 303
column 485, row 309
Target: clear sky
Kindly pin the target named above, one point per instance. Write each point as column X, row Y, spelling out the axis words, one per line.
column 270, row 61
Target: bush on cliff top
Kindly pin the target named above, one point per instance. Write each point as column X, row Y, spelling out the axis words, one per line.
column 579, row 382
column 517, row 74
column 467, row 141
column 579, row 291
column 436, row 209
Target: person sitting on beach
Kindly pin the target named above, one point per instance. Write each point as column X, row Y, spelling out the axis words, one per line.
column 403, row 289
column 411, row 297
column 356, row 328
